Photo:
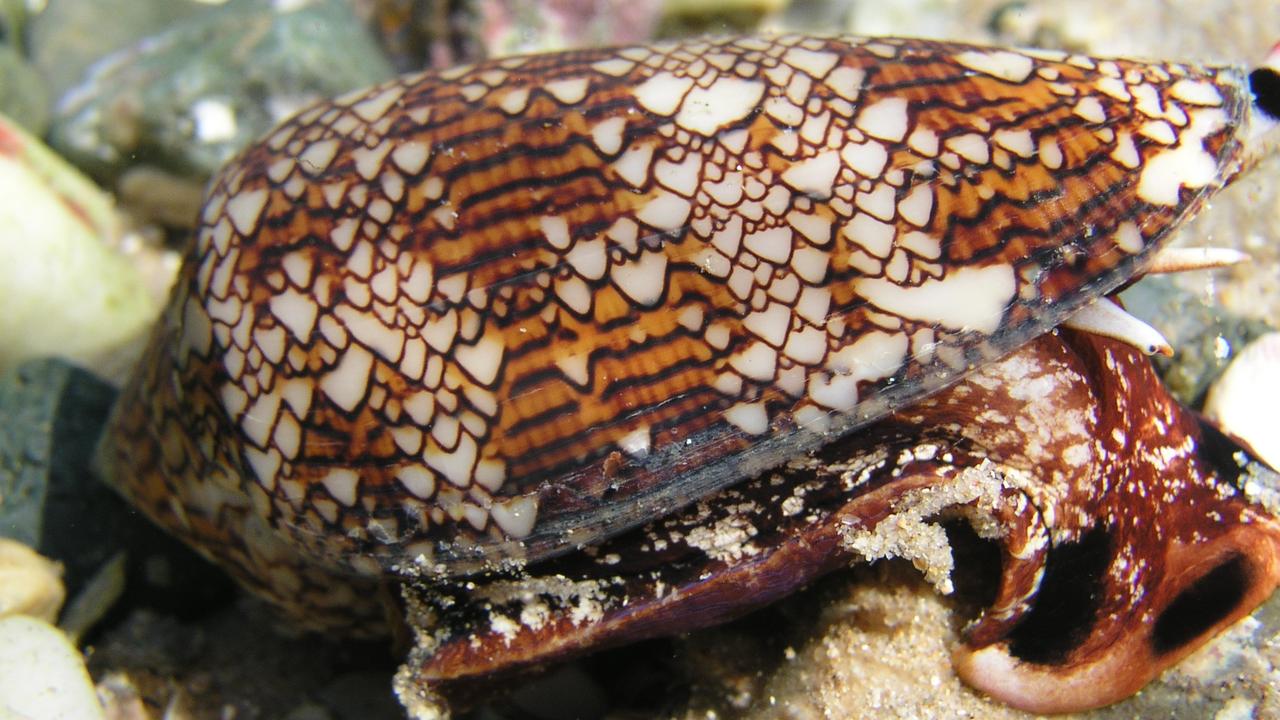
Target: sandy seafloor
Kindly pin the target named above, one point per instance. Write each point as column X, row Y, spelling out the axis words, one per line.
column 877, row 643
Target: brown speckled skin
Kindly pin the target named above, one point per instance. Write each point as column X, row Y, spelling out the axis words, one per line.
column 1071, row 447
column 472, row 319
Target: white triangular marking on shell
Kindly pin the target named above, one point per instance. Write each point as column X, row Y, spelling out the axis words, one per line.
column 440, row 331
column 556, row 230
column 970, row 146
column 265, row 466
column 666, row 211
column 297, row 311
column 772, row 244
column 917, row 206
column 259, row 420
column 1002, row 64
column 607, row 134
column 346, row 384
column 617, row 67
column 245, row 207
column 456, row 466
column 316, row 157
column 515, row 516
column 370, row 331
column 636, row 443
column 726, row 101
column 633, row 166
column 770, row 324
column 377, row 105
column 874, row 236
column 810, row 264
column 589, row 258
column 576, row 367
column 816, row 63
column 681, row 177
column 418, row 480
column 369, row 160
column 867, row 159
column 662, row 93
column 575, row 293
column 1187, row 165
column 846, row 82
column 878, row 202
column 967, row 298
column 1090, row 108
column 483, row 359
column 411, row 156
column 569, row 91
column 642, row 279
column 815, row 228
column 884, row 119
column 815, row 176
column 751, row 418
column 1018, row 142
column 514, row 101
column 922, row 244
column 808, row 345
column 1196, row 92
column 757, row 361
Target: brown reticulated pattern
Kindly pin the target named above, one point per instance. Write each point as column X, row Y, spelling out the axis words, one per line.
column 495, row 312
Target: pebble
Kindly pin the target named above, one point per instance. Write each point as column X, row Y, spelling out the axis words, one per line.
column 64, row 290
column 42, row 675
column 30, row 584
column 186, row 97
column 1244, row 399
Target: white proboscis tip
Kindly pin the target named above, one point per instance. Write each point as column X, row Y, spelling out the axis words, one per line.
column 1103, row 317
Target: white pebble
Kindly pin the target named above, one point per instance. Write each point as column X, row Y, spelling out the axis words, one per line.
column 42, row 675
column 1244, row 399
column 30, row 584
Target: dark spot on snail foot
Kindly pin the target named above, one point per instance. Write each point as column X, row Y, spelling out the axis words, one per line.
column 1201, row 605
column 1066, row 606
column 977, row 567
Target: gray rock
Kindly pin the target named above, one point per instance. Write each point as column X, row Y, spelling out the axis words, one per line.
column 69, row 36
column 13, row 21
column 28, row 401
column 22, row 91
column 23, row 96
column 50, row 498
column 186, row 99
column 53, row 413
